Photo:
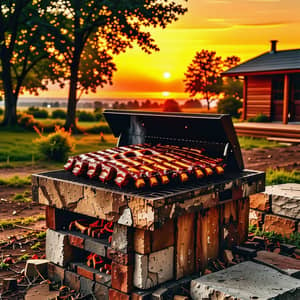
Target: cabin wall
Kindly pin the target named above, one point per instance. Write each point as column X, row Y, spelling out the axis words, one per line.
column 259, row 96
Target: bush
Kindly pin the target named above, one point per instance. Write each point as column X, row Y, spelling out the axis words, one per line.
column 230, row 105
column 85, row 116
column 27, row 121
column 1, row 111
column 59, row 114
column 97, row 129
column 171, row 105
column 261, row 118
column 57, row 145
column 37, row 112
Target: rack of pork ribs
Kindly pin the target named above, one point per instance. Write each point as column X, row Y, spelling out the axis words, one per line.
column 145, row 165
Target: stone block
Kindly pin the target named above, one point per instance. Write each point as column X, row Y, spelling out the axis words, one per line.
column 72, row 280
column 86, row 286
column 256, row 218
column 162, row 264
column 121, row 238
column 260, row 202
column 56, row 273
column 141, row 277
column 279, row 225
column 58, row 249
column 247, row 280
column 120, row 257
column 95, row 246
column 285, row 199
column 34, row 267
column 121, row 277
column 285, row 264
column 100, row 291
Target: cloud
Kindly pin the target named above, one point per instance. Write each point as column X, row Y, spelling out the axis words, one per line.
column 265, row 1
column 263, row 25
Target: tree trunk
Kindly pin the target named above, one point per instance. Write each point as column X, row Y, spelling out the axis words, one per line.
column 10, row 113
column 207, row 100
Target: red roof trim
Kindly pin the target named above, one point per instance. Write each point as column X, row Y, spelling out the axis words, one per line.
column 260, row 73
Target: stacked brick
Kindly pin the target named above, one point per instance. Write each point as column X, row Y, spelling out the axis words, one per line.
column 277, row 209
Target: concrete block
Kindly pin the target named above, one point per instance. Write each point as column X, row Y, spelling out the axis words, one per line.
column 100, row 291
column 279, row 225
column 285, row 264
column 162, row 263
column 121, row 238
column 35, row 266
column 285, row 199
column 141, row 277
column 86, row 286
column 247, row 280
column 58, row 249
column 94, row 246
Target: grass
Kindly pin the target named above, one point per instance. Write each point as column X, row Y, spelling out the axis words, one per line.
column 15, row 181
column 10, row 223
column 279, row 176
column 22, row 197
column 248, row 143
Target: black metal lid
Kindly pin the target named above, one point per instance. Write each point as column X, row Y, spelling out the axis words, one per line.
column 133, row 127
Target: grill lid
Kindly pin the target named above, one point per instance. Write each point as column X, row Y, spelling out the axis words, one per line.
column 214, row 132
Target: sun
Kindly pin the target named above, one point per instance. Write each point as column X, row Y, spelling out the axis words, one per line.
column 166, row 94
column 166, row 75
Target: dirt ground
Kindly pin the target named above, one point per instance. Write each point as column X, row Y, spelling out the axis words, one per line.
column 14, row 242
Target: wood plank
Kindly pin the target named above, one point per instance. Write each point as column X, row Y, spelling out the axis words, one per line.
column 163, row 237
column 207, row 238
column 142, row 241
column 185, row 256
column 243, row 206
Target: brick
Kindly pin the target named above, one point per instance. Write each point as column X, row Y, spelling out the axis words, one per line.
column 141, row 295
column 260, row 202
column 247, row 280
column 285, row 264
column 56, row 273
column 100, row 291
column 122, row 277
column 120, row 257
column 51, row 218
column 35, row 266
column 244, row 251
column 103, row 278
column 76, row 241
column 256, row 218
column 122, row 238
column 95, row 246
column 279, row 225
column 72, row 280
column 163, row 237
column 58, row 249
column 86, row 271
column 86, row 286
column 116, row 295
column 142, row 241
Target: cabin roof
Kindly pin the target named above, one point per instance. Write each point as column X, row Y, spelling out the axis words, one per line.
column 273, row 61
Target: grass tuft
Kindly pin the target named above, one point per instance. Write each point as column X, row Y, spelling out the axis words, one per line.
column 248, row 143
column 15, row 181
column 10, row 223
column 279, row 176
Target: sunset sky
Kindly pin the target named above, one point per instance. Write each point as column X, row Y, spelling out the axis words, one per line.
column 230, row 27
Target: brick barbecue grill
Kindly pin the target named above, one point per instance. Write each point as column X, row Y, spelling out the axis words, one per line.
column 136, row 240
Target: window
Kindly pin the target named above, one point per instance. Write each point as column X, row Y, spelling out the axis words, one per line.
column 277, row 88
column 296, row 87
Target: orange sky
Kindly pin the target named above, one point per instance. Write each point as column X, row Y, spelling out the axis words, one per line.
column 230, row 27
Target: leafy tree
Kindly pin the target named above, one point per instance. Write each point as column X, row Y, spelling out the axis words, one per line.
column 23, row 52
column 171, row 105
column 204, row 75
column 88, row 33
column 232, row 86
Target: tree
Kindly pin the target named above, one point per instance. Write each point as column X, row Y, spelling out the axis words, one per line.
column 23, row 53
column 232, row 86
column 89, row 33
column 204, row 75
column 171, row 105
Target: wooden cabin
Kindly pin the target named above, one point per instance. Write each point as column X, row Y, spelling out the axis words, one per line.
column 271, row 85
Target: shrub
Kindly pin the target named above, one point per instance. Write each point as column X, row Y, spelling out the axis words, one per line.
column 85, row 116
column 59, row 114
column 230, row 105
column 260, row 118
column 37, row 112
column 57, row 145
column 97, row 129
column 27, row 121
column 1, row 111
column 171, row 105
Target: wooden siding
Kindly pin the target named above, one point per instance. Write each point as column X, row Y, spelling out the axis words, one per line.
column 259, row 96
